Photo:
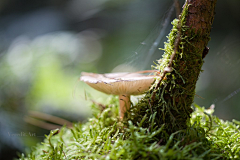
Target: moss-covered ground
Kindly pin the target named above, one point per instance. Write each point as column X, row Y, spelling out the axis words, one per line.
column 104, row 137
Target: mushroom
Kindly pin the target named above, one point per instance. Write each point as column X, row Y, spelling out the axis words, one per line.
column 123, row 84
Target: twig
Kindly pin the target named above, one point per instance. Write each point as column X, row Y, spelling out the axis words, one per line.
column 50, row 118
column 41, row 124
column 168, row 68
column 38, row 118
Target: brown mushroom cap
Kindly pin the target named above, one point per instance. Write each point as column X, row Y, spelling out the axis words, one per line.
column 118, row 83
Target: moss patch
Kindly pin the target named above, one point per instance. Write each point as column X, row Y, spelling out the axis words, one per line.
column 207, row 137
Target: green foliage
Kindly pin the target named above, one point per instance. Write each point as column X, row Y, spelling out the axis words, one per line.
column 104, row 137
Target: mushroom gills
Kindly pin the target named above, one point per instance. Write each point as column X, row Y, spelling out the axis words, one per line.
column 122, row 84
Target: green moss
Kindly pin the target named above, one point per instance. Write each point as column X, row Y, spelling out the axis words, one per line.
column 102, row 137
column 172, row 100
column 163, row 126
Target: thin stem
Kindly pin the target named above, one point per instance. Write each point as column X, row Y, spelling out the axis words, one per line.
column 168, row 68
column 124, row 101
column 49, row 118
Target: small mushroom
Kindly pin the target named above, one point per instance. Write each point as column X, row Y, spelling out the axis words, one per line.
column 122, row 84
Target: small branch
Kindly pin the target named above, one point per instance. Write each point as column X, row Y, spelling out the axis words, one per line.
column 49, row 118
column 41, row 124
column 169, row 67
column 37, row 119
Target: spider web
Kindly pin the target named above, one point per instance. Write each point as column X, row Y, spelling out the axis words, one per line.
column 219, row 83
column 148, row 51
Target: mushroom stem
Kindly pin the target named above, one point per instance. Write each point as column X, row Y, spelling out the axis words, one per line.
column 124, row 101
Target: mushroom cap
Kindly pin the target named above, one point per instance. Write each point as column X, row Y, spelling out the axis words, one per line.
column 118, row 83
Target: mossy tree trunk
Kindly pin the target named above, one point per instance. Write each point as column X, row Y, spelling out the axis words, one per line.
column 172, row 95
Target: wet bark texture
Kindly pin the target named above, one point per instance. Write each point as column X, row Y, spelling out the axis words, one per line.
column 200, row 19
column 194, row 28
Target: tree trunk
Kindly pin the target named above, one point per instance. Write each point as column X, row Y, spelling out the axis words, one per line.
column 173, row 93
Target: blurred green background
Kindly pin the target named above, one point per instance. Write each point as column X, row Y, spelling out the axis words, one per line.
column 45, row 45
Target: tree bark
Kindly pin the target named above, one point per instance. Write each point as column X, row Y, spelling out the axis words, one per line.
column 200, row 19
column 172, row 95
